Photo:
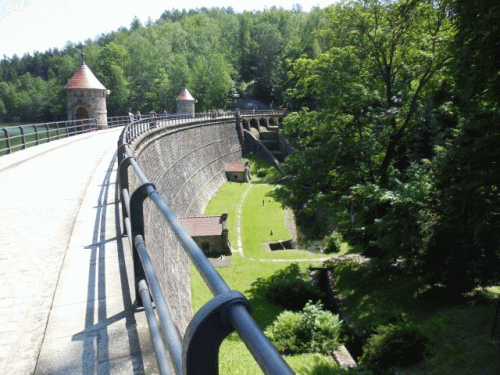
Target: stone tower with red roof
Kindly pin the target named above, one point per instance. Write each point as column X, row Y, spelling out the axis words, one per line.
column 86, row 97
column 185, row 103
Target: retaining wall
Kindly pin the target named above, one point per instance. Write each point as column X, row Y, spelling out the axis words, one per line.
column 186, row 164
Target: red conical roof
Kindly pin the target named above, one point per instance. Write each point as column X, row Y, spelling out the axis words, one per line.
column 185, row 95
column 84, row 79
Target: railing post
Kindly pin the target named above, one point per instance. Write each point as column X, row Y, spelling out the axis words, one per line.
column 37, row 140
column 137, row 221
column 206, row 331
column 23, row 138
column 48, row 132
column 7, row 140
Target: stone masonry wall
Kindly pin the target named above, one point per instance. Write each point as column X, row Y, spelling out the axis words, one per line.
column 186, row 164
column 93, row 100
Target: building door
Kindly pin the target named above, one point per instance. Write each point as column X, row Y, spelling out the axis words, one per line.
column 81, row 113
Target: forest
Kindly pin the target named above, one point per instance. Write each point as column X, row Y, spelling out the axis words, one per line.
column 394, row 112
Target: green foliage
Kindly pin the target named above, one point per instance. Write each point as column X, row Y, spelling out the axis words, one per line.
column 400, row 215
column 289, row 288
column 394, row 345
column 320, row 365
column 309, row 331
column 332, row 242
column 261, row 170
column 463, row 250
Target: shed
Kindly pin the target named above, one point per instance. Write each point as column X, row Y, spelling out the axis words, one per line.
column 209, row 232
column 237, row 171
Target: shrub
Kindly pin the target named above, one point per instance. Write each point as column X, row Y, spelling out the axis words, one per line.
column 320, row 366
column 312, row 330
column 332, row 242
column 289, row 288
column 394, row 345
column 293, row 294
column 283, row 332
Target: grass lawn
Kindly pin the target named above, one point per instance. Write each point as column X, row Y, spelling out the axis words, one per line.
column 258, row 221
column 234, row 356
column 263, row 220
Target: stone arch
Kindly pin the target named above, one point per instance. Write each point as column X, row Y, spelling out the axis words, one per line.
column 81, row 112
column 263, row 122
column 246, row 125
column 254, row 124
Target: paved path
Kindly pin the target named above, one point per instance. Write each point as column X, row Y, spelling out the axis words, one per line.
column 66, row 300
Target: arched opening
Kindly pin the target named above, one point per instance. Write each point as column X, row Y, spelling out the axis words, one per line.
column 254, row 123
column 205, row 246
column 81, row 113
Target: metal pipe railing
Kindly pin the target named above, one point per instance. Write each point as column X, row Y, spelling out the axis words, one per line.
column 227, row 311
column 20, row 137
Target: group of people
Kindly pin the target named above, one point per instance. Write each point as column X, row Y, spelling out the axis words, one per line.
column 137, row 116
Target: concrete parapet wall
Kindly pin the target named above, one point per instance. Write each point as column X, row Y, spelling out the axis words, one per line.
column 186, row 164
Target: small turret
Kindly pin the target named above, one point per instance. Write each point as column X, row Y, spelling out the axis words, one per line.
column 186, row 103
column 86, row 97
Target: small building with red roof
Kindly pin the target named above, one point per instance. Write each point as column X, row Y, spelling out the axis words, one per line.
column 239, row 172
column 210, row 233
column 86, row 97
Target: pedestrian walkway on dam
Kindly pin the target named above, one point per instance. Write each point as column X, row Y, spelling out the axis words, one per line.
column 66, row 295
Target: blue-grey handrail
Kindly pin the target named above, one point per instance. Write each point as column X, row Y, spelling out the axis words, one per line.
column 206, row 331
column 20, row 137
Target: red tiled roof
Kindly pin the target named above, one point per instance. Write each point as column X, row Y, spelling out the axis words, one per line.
column 234, row 167
column 185, row 95
column 84, row 79
column 202, row 225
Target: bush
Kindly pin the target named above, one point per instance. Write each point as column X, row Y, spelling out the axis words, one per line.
column 332, row 242
column 394, row 345
column 289, row 288
column 320, row 366
column 283, row 332
column 313, row 330
column 293, row 294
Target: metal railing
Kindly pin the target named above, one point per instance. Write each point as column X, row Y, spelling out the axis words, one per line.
column 198, row 351
column 115, row 121
column 15, row 138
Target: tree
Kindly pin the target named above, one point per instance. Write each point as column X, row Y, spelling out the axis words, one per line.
column 383, row 57
column 110, row 70
column 211, row 81
column 464, row 250
column 370, row 88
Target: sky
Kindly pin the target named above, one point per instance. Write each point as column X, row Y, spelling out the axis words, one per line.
column 27, row 26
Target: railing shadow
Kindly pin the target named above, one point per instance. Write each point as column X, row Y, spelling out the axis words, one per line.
column 96, row 336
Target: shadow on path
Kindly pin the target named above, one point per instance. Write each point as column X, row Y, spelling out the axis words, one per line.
column 96, row 337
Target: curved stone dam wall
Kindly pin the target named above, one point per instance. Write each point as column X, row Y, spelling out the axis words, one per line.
column 186, row 164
